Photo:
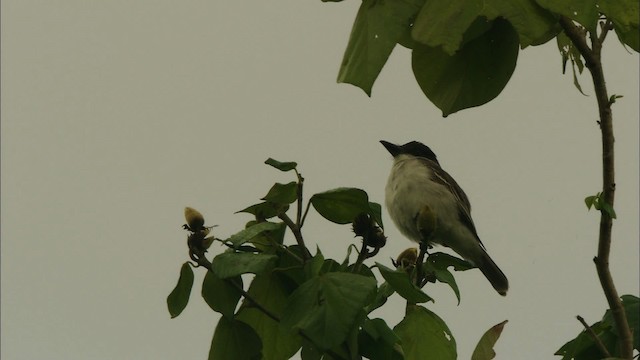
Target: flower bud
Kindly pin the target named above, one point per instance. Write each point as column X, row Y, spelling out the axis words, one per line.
column 195, row 220
column 407, row 259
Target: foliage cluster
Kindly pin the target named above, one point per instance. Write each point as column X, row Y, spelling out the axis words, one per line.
column 299, row 301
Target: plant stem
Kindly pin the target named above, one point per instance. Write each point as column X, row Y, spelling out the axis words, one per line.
column 297, row 234
column 299, row 195
column 594, row 337
column 593, row 62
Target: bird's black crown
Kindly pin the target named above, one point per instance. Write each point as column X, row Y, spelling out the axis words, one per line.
column 414, row 148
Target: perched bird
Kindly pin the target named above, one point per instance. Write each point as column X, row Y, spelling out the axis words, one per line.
column 419, row 188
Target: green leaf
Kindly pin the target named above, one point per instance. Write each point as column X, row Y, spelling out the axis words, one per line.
column 230, row 264
column 376, row 213
column 589, row 201
column 268, row 242
column 341, row 205
column 326, row 307
column 282, row 193
column 378, row 26
column 251, row 232
column 282, row 166
column 384, row 291
column 583, row 347
column 265, row 210
column 313, row 266
column 630, row 37
column 444, row 22
column 271, row 292
column 446, row 277
column 609, row 210
column 625, row 15
column 221, row 295
column 535, row 25
column 475, row 75
column 443, row 260
column 584, row 12
column 179, row 297
column 401, row 283
column 423, row 332
column 613, row 98
column 438, row 264
column 378, row 342
column 484, row 349
column 569, row 52
column 236, row 340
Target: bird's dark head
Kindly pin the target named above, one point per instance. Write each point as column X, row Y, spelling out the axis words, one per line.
column 414, row 148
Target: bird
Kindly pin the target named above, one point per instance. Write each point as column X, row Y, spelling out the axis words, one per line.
column 417, row 183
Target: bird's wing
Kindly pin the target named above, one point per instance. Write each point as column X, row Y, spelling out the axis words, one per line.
column 464, row 207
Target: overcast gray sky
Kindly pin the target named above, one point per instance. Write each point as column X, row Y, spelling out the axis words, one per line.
column 117, row 114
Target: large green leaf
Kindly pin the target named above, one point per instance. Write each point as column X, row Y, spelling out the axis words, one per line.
column 443, row 261
column 534, row 24
column 400, row 282
column 625, row 16
column 326, row 307
column 342, row 205
column 378, row 342
column 271, row 292
column 379, row 25
column 282, row 193
column 425, row 336
column 236, row 340
column 179, row 297
column 584, row 12
column 438, row 264
column 484, row 349
column 230, row 264
column 265, row 210
column 384, row 291
column 251, row 232
column 444, row 22
column 475, row 75
column 220, row 294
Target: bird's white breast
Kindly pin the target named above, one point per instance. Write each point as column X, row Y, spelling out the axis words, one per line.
column 410, row 187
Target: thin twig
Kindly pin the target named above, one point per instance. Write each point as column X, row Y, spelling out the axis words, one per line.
column 594, row 64
column 306, row 211
column 299, row 202
column 606, row 26
column 362, row 255
column 419, row 264
column 297, row 234
column 594, row 337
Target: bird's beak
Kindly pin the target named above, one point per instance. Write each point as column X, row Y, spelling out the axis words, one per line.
column 391, row 148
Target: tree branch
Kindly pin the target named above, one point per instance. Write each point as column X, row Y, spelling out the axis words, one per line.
column 594, row 64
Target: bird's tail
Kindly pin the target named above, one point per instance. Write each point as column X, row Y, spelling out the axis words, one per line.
column 493, row 273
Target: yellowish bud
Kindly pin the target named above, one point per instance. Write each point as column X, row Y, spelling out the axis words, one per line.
column 407, row 258
column 195, row 220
